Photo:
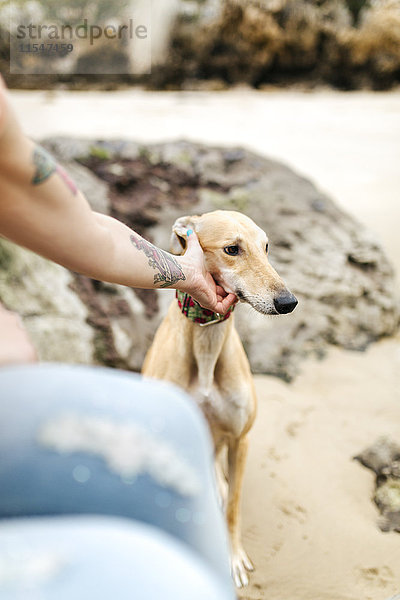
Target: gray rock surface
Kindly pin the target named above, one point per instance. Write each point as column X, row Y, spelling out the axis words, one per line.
column 383, row 457
column 54, row 315
column 336, row 267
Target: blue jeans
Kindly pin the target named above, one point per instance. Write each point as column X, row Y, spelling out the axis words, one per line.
column 106, row 488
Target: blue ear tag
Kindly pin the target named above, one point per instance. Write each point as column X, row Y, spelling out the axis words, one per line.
column 189, row 232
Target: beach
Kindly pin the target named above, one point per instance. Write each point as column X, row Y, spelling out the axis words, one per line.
column 348, row 143
column 309, row 521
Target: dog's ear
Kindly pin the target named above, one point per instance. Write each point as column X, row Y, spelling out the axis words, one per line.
column 179, row 229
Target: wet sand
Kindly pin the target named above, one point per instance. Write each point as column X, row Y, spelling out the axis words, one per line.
column 309, row 521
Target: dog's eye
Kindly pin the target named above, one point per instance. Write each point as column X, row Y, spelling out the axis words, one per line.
column 232, row 250
column 267, row 248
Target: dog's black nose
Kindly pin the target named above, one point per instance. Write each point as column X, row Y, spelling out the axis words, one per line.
column 285, row 303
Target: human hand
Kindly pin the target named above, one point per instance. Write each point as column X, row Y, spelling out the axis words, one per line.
column 199, row 283
column 15, row 345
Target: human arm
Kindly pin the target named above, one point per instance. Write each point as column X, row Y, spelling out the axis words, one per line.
column 41, row 209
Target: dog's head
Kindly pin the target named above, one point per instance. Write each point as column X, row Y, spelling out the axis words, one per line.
column 236, row 254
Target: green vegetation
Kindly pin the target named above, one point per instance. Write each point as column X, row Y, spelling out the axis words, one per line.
column 99, row 152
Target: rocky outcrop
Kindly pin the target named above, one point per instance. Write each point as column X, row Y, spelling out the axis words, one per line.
column 346, row 43
column 349, row 44
column 332, row 263
column 54, row 315
column 383, row 458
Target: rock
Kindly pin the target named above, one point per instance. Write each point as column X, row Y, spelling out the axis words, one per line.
column 337, row 269
column 71, row 318
column 387, row 496
column 383, row 457
column 213, row 44
column 103, row 59
column 380, row 456
column 54, row 316
column 347, row 43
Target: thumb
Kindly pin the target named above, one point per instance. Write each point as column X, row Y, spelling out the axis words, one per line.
column 193, row 244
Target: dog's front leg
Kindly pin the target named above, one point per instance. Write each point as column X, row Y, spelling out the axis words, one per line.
column 220, row 473
column 237, row 452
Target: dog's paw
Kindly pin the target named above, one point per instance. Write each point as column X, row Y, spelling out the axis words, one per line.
column 240, row 565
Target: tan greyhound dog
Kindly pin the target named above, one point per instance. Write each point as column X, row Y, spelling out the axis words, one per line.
column 201, row 351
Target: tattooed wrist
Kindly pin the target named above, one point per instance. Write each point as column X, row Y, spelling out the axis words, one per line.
column 45, row 165
column 169, row 270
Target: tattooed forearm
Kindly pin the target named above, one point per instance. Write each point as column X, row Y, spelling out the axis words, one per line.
column 45, row 165
column 169, row 269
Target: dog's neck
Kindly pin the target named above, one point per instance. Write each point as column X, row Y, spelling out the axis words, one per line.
column 196, row 313
column 207, row 342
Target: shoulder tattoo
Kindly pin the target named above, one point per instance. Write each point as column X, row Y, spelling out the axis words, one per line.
column 45, row 165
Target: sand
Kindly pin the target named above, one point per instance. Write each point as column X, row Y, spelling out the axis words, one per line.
column 309, row 520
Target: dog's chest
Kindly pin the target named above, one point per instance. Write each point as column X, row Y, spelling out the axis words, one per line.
column 228, row 412
column 227, row 402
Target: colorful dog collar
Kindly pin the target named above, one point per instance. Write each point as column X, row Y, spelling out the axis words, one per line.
column 196, row 313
